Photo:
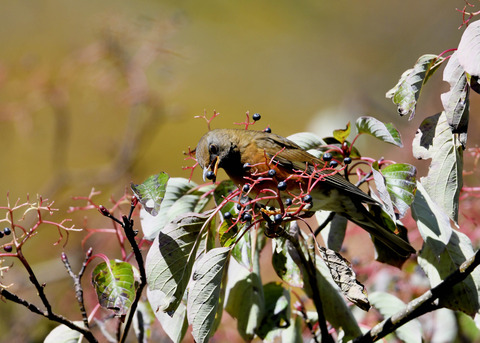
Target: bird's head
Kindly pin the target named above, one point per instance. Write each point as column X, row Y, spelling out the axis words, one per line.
column 217, row 149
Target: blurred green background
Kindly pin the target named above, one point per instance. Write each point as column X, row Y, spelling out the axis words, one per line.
column 102, row 93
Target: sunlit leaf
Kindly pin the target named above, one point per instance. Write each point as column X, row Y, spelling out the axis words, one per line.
column 306, row 140
column 293, row 333
column 464, row 295
column 388, row 304
column 345, row 278
column 341, row 135
column 174, row 325
column 469, row 49
column 435, row 140
column 406, row 92
column 445, row 327
column 400, row 180
column 284, row 264
column 204, row 293
column 115, row 286
column 456, row 101
column 384, row 131
column 170, row 259
column 380, row 184
column 63, row 334
column 151, row 192
column 433, row 224
column 181, row 196
column 242, row 251
column 334, row 233
column 245, row 299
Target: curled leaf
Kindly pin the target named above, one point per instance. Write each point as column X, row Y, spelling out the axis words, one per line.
column 151, row 192
column 406, row 92
column 344, row 276
column 383, row 131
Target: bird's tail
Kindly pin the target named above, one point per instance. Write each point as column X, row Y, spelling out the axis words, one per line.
column 373, row 226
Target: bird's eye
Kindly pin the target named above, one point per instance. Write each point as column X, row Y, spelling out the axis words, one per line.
column 213, row 149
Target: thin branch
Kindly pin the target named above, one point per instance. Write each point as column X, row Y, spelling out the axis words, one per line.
column 49, row 315
column 77, row 282
column 421, row 305
column 130, row 233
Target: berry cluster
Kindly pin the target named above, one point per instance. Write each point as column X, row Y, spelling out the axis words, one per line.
column 6, row 232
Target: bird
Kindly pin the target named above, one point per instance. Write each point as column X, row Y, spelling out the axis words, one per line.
column 248, row 158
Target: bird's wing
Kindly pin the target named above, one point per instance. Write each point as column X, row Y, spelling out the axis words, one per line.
column 295, row 158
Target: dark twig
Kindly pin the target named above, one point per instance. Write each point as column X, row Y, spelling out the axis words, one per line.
column 48, row 314
column 130, row 233
column 421, row 305
column 77, row 282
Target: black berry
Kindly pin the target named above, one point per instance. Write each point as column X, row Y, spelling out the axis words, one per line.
column 282, row 185
column 247, row 166
column 7, row 231
column 333, row 164
column 7, row 248
column 288, row 202
column 239, row 207
column 227, row 215
column 307, row 199
column 256, row 116
column 1, row 234
column 247, row 217
column 278, row 218
column 327, row 156
column 210, row 175
column 268, row 130
column 272, row 172
column 246, row 188
column 347, row 160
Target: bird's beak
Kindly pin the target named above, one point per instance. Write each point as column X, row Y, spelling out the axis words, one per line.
column 214, row 167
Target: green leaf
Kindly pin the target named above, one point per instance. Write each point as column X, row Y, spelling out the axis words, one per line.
column 151, row 192
column 306, row 140
column 445, row 327
column 464, row 295
column 115, row 286
column 170, row 259
column 384, row 131
column 435, row 140
column 277, row 311
column 406, row 92
column 341, row 135
column 242, row 251
column 284, row 264
column 293, row 333
column 456, row 101
column 204, row 293
column 181, row 196
column 380, row 184
column 388, row 305
column 433, row 224
column 245, row 299
column 400, row 180
column 334, row 233
column 469, row 49
column 174, row 325
column 63, row 334
column 337, row 313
